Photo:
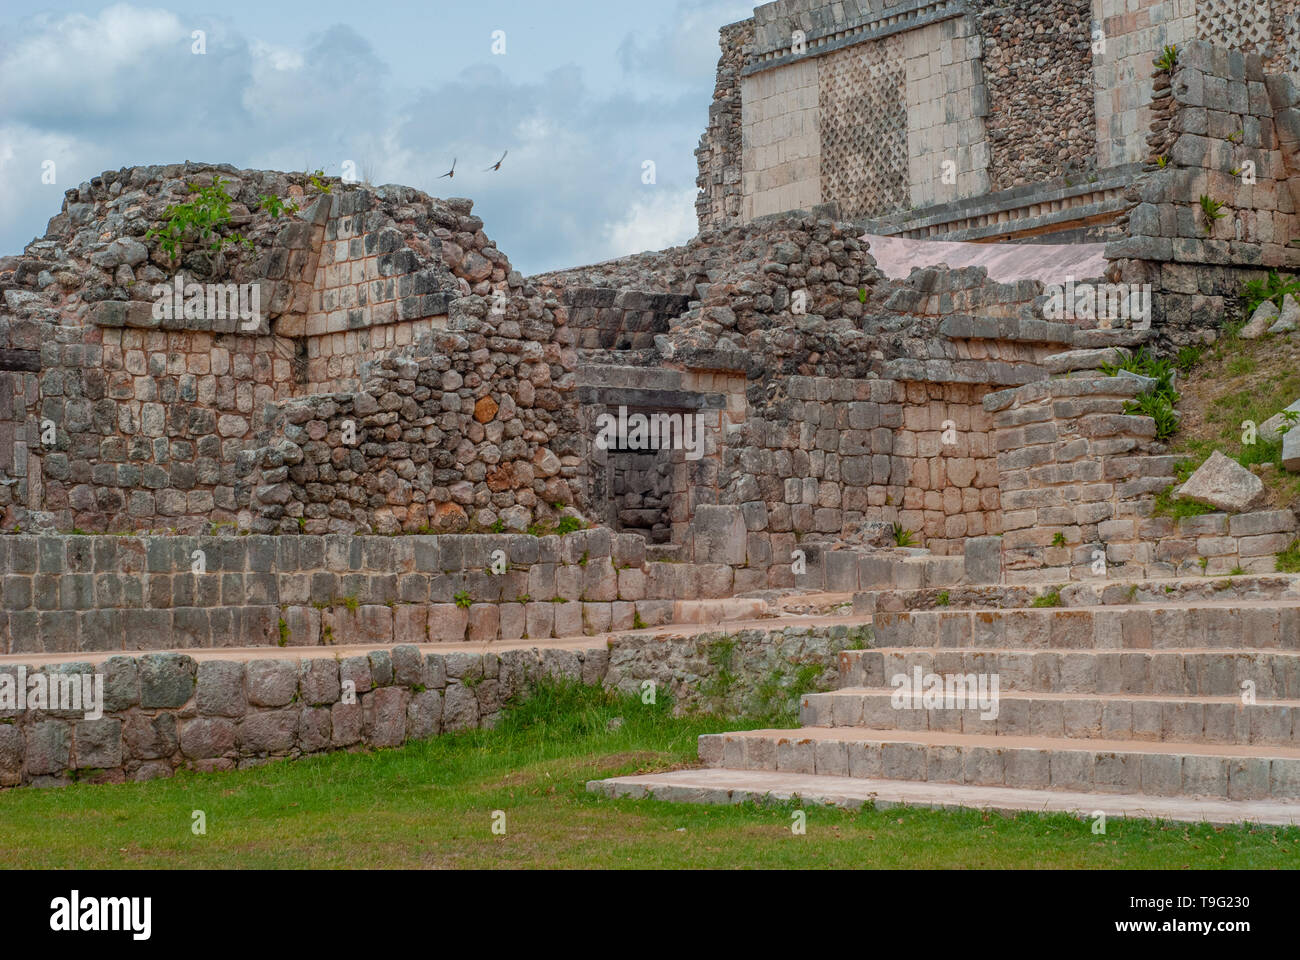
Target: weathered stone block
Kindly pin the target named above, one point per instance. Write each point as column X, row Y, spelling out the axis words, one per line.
column 205, row 738
column 318, row 679
column 220, row 689
column 98, row 743
column 719, row 534
column 166, row 679
column 268, row 732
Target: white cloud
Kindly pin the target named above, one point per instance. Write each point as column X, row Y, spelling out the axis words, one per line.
column 686, row 49
column 122, row 87
column 666, row 219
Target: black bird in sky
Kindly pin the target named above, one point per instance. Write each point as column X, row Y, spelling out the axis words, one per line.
column 497, row 165
column 452, row 172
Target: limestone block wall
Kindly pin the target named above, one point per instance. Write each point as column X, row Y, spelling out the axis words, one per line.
column 1079, row 479
column 947, row 101
column 781, row 153
column 1135, row 34
column 888, row 121
column 63, row 593
column 609, row 318
column 1226, row 113
column 135, row 417
column 992, row 95
column 952, row 488
column 167, row 711
column 820, row 457
column 1073, row 470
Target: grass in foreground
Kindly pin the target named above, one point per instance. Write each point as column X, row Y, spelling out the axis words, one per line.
column 431, row 804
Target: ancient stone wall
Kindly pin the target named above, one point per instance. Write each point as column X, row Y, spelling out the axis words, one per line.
column 168, row 711
column 612, row 319
column 130, row 417
column 1071, row 466
column 1038, row 69
column 719, row 152
column 1231, row 124
column 71, row 593
column 1079, row 479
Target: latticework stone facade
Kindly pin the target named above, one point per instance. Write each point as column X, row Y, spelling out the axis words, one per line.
column 863, row 116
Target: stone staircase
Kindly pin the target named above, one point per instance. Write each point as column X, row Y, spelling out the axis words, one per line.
column 1185, row 709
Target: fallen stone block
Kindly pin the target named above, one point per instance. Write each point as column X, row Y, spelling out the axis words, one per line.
column 1263, row 317
column 1291, row 451
column 1224, row 484
column 1289, row 318
column 1271, row 429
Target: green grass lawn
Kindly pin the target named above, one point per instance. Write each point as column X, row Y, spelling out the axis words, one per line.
column 431, row 804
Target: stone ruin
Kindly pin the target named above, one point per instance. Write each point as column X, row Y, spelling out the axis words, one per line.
column 413, row 445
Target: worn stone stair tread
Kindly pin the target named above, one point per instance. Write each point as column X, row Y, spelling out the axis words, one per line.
column 933, row 738
column 1015, row 693
column 720, row 785
column 1079, row 651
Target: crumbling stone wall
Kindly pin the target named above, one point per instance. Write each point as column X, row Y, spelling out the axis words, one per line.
column 719, row 152
column 604, row 317
column 175, row 421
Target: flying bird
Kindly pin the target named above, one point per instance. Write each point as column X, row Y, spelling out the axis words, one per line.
column 497, row 165
column 452, row 172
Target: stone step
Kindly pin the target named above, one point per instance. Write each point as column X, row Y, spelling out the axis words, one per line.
column 1103, row 592
column 1187, row 672
column 719, row 785
column 1260, row 772
column 1251, row 625
column 1072, row 716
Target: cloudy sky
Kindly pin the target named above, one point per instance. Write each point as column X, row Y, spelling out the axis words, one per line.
column 584, row 94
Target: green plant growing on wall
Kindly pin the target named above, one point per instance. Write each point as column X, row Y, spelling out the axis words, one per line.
column 1273, row 286
column 1059, row 539
column 1162, row 161
column 318, row 181
column 1157, row 403
column 1212, row 210
column 200, row 217
column 1168, row 59
column 462, row 599
column 720, row 654
column 1236, row 137
column 1188, row 357
column 859, row 638
column 568, row 525
column 1052, row 598
column 1288, row 561
column 902, row 536
column 276, row 206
